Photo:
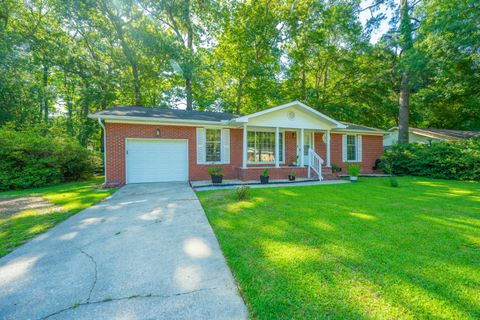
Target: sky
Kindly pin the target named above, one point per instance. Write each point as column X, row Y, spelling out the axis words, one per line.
column 365, row 15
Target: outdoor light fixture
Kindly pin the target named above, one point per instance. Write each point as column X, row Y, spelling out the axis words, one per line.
column 158, row 131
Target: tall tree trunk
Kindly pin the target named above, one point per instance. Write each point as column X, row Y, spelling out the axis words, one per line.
column 136, row 82
column 67, row 88
column 45, row 93
column 239, row 96
column 406, row 43
column 188, row 77
column 188, row 89
column 304, row 85
column 85, row 130
column 104, row 107
column 404, row 111
column 127, row 51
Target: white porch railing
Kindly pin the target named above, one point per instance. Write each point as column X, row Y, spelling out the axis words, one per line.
column 314, row 163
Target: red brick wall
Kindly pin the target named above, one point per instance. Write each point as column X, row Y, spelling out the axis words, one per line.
column 273, row 173
column 117, row 133
column 372, row 149
column 290, row 147
column 320, row 146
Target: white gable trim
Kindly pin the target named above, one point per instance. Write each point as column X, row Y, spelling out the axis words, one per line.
column 290, row 104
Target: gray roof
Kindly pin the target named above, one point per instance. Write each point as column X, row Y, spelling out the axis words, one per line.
column 443, row 133
column 143, row 112
column 457, row 134
column 176, row 114
column 353, row 126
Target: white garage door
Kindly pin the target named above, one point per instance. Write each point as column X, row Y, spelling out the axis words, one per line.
column 152, row 160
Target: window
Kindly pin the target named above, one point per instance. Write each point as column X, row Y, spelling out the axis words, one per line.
column 351, row 148
column 213, row 145
column 261, row 146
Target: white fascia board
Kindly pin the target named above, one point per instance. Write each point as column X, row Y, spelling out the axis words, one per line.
column 364, row 132
column 423, row 134
column 428, row 135
column 144, row 120
column 290, row 104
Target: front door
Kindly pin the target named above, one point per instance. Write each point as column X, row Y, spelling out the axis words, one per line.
column 307, row 144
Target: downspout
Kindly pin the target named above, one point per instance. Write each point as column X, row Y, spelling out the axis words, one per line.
column 104, row 149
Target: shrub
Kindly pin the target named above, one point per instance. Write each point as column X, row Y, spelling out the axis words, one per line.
column 445, row 160
column 335, row 168
column 30, row 159
column 293, row 173
column 265, row 173
column 215, row 171
column 393, row 182
column 353, row 169
column 243, row 193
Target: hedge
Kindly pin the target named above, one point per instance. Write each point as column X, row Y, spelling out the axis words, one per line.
column 30, row 159
column 458, row 160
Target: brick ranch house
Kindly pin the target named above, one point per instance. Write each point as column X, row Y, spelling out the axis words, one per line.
column 154, row 145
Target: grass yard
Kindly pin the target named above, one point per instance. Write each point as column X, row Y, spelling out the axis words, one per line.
column 42, row 208
column 354, row 251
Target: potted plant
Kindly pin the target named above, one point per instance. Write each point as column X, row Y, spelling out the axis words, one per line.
column 294, row 160
column 264, row 177
column 353, row 171
column 216, row 173
column 291, row 176
column 335, row 168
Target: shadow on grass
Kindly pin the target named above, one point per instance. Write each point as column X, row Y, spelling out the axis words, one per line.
column 68, row 199
column 355, row 251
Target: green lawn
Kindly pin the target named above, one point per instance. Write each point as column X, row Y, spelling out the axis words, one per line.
column 354, row 251
column 69, row 198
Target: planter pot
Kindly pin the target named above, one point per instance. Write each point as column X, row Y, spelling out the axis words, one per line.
column 217, row 179
column 291, row 178
column 353, row 179
column 264, row 180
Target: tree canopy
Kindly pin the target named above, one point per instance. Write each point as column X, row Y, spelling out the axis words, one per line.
column 60, row 60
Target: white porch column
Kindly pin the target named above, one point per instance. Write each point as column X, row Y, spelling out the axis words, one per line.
column 302, row 137
column 328, row 148
column 244, row 162
column 277, row 153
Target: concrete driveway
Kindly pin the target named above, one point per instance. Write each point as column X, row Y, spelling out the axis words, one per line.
column 148, row 252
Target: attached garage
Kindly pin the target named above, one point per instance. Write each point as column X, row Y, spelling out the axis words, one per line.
column 156, row 160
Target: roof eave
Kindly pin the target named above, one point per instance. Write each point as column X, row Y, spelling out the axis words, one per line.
column 376, row 133
column 157, row 119
column 244, row 119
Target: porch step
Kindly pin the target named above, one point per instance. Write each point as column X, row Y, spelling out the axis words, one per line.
column 327, row 174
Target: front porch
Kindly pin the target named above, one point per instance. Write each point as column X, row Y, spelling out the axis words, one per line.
column 284, row 151
column 289, row 138
column 205, row 185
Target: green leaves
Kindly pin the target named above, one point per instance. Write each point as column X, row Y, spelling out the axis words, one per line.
column 60, row 60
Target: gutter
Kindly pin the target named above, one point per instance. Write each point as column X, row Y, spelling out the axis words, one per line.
column 365, row 132
column 158, row 120
column 104, row 149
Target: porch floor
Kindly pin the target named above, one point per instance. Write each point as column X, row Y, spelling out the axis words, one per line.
column 230, row 184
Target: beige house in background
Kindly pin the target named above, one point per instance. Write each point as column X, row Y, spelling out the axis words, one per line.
column 428, row 136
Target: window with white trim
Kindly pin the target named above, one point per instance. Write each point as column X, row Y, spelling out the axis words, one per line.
column 261, row 147
column 351, row 148
column 213, row 144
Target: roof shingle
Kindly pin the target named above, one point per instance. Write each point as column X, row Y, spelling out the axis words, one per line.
column 164, row 113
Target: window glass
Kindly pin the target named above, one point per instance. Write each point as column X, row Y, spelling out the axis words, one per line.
column 351, row 148
column 213, row 145
column 261, row 146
